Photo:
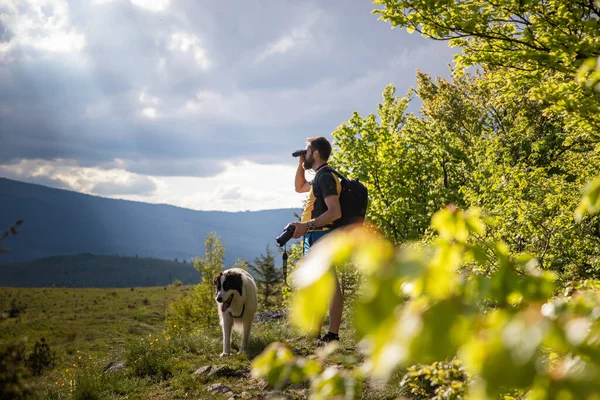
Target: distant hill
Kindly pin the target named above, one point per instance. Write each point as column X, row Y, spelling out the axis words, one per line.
column 62, row 222
column 87, row 270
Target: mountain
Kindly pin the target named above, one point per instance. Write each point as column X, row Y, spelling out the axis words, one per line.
column 62, row 222
column 88, row 270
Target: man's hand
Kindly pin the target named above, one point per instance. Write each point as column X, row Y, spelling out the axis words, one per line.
column 301, row 229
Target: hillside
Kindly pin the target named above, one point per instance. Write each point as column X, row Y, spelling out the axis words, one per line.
column 88, row 270
column 62, row 222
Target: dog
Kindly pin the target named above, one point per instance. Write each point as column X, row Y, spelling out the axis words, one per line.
column 236, row 298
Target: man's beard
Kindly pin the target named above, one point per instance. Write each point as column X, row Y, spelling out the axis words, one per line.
column 308, row 163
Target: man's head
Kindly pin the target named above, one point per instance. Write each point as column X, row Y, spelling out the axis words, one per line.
column 318, row 150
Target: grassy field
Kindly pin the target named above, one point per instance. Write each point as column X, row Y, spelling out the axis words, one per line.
column 90, row 328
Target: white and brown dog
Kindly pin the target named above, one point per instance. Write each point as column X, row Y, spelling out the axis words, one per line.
column 237, row 301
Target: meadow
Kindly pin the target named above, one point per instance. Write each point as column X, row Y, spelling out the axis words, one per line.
column 92, row 330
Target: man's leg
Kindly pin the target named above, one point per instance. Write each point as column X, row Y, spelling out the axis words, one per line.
column 335, row 308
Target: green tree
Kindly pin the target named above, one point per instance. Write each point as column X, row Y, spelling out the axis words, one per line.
column 197, row 308
column 268, row 278
column 518, row 164
column 402, row 175
column 212, row 262
column 472, row 145
column 241, row 263
column 540, row 42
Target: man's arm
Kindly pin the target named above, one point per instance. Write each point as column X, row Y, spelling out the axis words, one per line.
column 334, row 211
column 300, row 182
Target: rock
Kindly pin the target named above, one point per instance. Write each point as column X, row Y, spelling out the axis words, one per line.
column 213, row 371
column 270, row 315
column 224, row 371
column 114, row 366
column 245, row 395
column 203, row 370
column 219, row 388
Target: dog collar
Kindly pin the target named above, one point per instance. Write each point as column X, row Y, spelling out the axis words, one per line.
column 242, row 314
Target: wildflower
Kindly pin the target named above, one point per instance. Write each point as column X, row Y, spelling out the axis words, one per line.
column 67, row 370
column 77, row 351
column 149, row 335
column 90, row 357
column 79, row 358
column 175, row 326
column 57, row 382
column 75, row 365
column 156, row 340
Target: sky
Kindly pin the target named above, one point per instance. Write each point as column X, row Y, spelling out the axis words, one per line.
column 193, row 103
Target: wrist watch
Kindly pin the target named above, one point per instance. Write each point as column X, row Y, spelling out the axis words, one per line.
column 311, row 226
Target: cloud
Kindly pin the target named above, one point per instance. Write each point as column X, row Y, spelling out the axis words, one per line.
column 140, row 185
column 149, row 5
column 229, row 193
column 189, row 43
column 41, row 25
column 185, row 89
column 152, row 5
column 66, row 175
column 299, row 36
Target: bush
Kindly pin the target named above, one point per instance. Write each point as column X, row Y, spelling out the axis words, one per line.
column 16, row 308
column 176, row 283
column 195, row 310
column 13, row 371
column 150, row 357
column 438, row 381
column 41, row 358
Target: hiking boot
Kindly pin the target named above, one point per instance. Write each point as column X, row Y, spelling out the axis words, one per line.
column 329, row 337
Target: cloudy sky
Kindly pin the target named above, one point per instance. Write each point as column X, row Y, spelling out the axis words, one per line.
column 192, row 103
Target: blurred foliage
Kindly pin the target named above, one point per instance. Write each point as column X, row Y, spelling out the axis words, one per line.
column 421, row 304
column 13, row 372
column 438, row 381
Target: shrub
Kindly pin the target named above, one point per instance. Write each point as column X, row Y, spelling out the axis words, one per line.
column 438, row 381
column 196, row 309
column 13, row 371
column 16, row 308
column 41, row 358
column 150, row 357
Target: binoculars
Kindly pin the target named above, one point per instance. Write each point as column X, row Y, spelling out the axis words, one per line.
column 299, row 153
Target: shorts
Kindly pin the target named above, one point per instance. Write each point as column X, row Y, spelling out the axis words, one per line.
column 312, row 237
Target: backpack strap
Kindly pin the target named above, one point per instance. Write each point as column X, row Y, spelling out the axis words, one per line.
column 342, row 177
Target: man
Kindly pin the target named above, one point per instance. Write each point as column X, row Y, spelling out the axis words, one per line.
column 321, row 209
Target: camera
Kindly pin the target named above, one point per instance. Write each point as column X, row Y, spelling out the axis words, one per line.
column 286, row 235
column 299, row 153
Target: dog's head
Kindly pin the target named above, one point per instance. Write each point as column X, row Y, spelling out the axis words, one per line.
column 227, row 285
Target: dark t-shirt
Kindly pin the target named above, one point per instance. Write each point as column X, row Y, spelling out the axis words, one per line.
column 324, row 184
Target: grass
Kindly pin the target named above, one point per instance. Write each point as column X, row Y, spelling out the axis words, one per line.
column 124, row 325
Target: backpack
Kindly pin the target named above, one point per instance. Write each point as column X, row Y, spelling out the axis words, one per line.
column 354, row 199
